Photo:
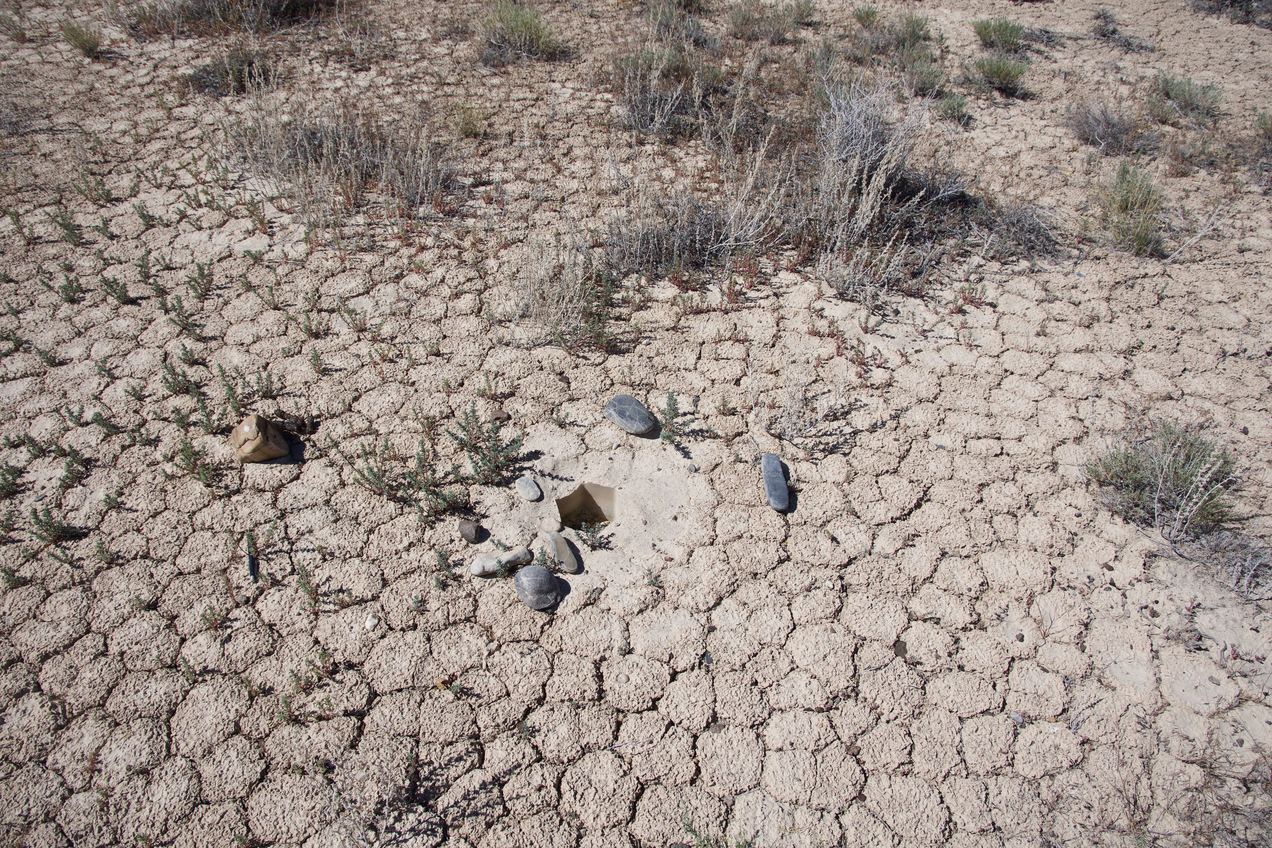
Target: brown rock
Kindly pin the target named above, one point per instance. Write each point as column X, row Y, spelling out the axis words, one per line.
column 257, row 439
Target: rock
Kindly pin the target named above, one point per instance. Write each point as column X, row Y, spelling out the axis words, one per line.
column 500, row 415
column 469, row 531
column 559, row 550
column 775, row 488
column 630, row 415
column 484, row 565
column 548, row 524
column 516, row 556
column 537, row 587
column 257, row 439
column 528, row 489
column 372, row 622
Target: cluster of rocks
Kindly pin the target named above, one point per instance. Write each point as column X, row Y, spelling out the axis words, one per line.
column 536, row 585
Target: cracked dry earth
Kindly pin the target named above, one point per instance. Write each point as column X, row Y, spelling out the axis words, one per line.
column 947, row 641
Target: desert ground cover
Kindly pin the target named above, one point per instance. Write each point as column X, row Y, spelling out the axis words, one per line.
column 990, row 279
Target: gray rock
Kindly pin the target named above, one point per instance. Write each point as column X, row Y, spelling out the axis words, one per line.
column 516, row 556
column 775, row 488
column 559, row 550
column 630, row 415
column 469, row 530
column 528, row 489
column 537, row 587
column 484, row 565
column 548, row 524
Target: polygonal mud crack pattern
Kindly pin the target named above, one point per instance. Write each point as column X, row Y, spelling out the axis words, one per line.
column 945, row 642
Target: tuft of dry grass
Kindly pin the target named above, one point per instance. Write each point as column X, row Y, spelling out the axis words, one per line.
column 86, row 40
column 332, row 160
column 1180, row 99
column 564, row 289
column 1132, row 204
column 1107, row 128
column 240, row 70
column 1000, row 71
column 1170, row 477
column 515, row 30
column 216, row 17
column 1000, row 34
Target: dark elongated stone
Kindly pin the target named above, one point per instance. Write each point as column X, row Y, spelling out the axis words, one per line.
column 775, row 488
column 537, row 587
column 630, row 414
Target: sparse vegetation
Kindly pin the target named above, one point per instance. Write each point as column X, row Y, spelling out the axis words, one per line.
column 1106, row 28
column 1169, row 477
column 1000, row 34
column 1255, row 12
column 953, row 107
column 564, row 289
column 51, row 529
column 490, row 457
column 1179, row 99
column 516, row 30
column 86, row 40
column 1107, row 128
column 1000, row 71
column 157, row 18
column 240, row 70
column 756, row 20
column 1131, row 205
column 334, row 160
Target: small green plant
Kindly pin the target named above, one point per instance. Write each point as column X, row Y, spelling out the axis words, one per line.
column 10, row 480
column 66, row 226
column 490, row 457
column 755, row 20
column 305, row 583
column 118, row 290
column 240, row 70
column 911, row 30
column 192, row 462
column 470, row 122
column 866, row 16
column 199, row 281
column 516, row 30
column 1000, row 34
column 673, row 428
column 177, row 382
column 953, row 107
column 1171, row 477
column 51, row 530
column 1131, row 204
column 12, row 580
column 1001, row 72
column 86, row 40
column 1177, row 99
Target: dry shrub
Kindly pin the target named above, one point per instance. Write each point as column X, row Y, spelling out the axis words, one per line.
column 1131, row 205
column 516, row 30
column 240, row 70
column 211, row 17
column 1169, row 477
column 1255, row 12
column 332, row 160
column 1110, row 130
column 564, row 290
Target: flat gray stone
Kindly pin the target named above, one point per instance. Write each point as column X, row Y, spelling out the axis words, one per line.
column 528, row 488
column 775, row 488
column 537, row 587
column 559, row 550
column 630, row 415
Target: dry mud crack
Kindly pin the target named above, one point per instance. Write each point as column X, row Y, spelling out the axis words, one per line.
column 945, row 640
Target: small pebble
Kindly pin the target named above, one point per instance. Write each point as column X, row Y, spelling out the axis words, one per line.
column 528, row 488
column 469, row 530
column 371, row 622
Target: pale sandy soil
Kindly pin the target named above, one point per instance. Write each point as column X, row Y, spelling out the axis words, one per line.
column 948, row 641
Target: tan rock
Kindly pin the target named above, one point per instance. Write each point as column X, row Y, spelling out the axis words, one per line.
column 257, row 439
